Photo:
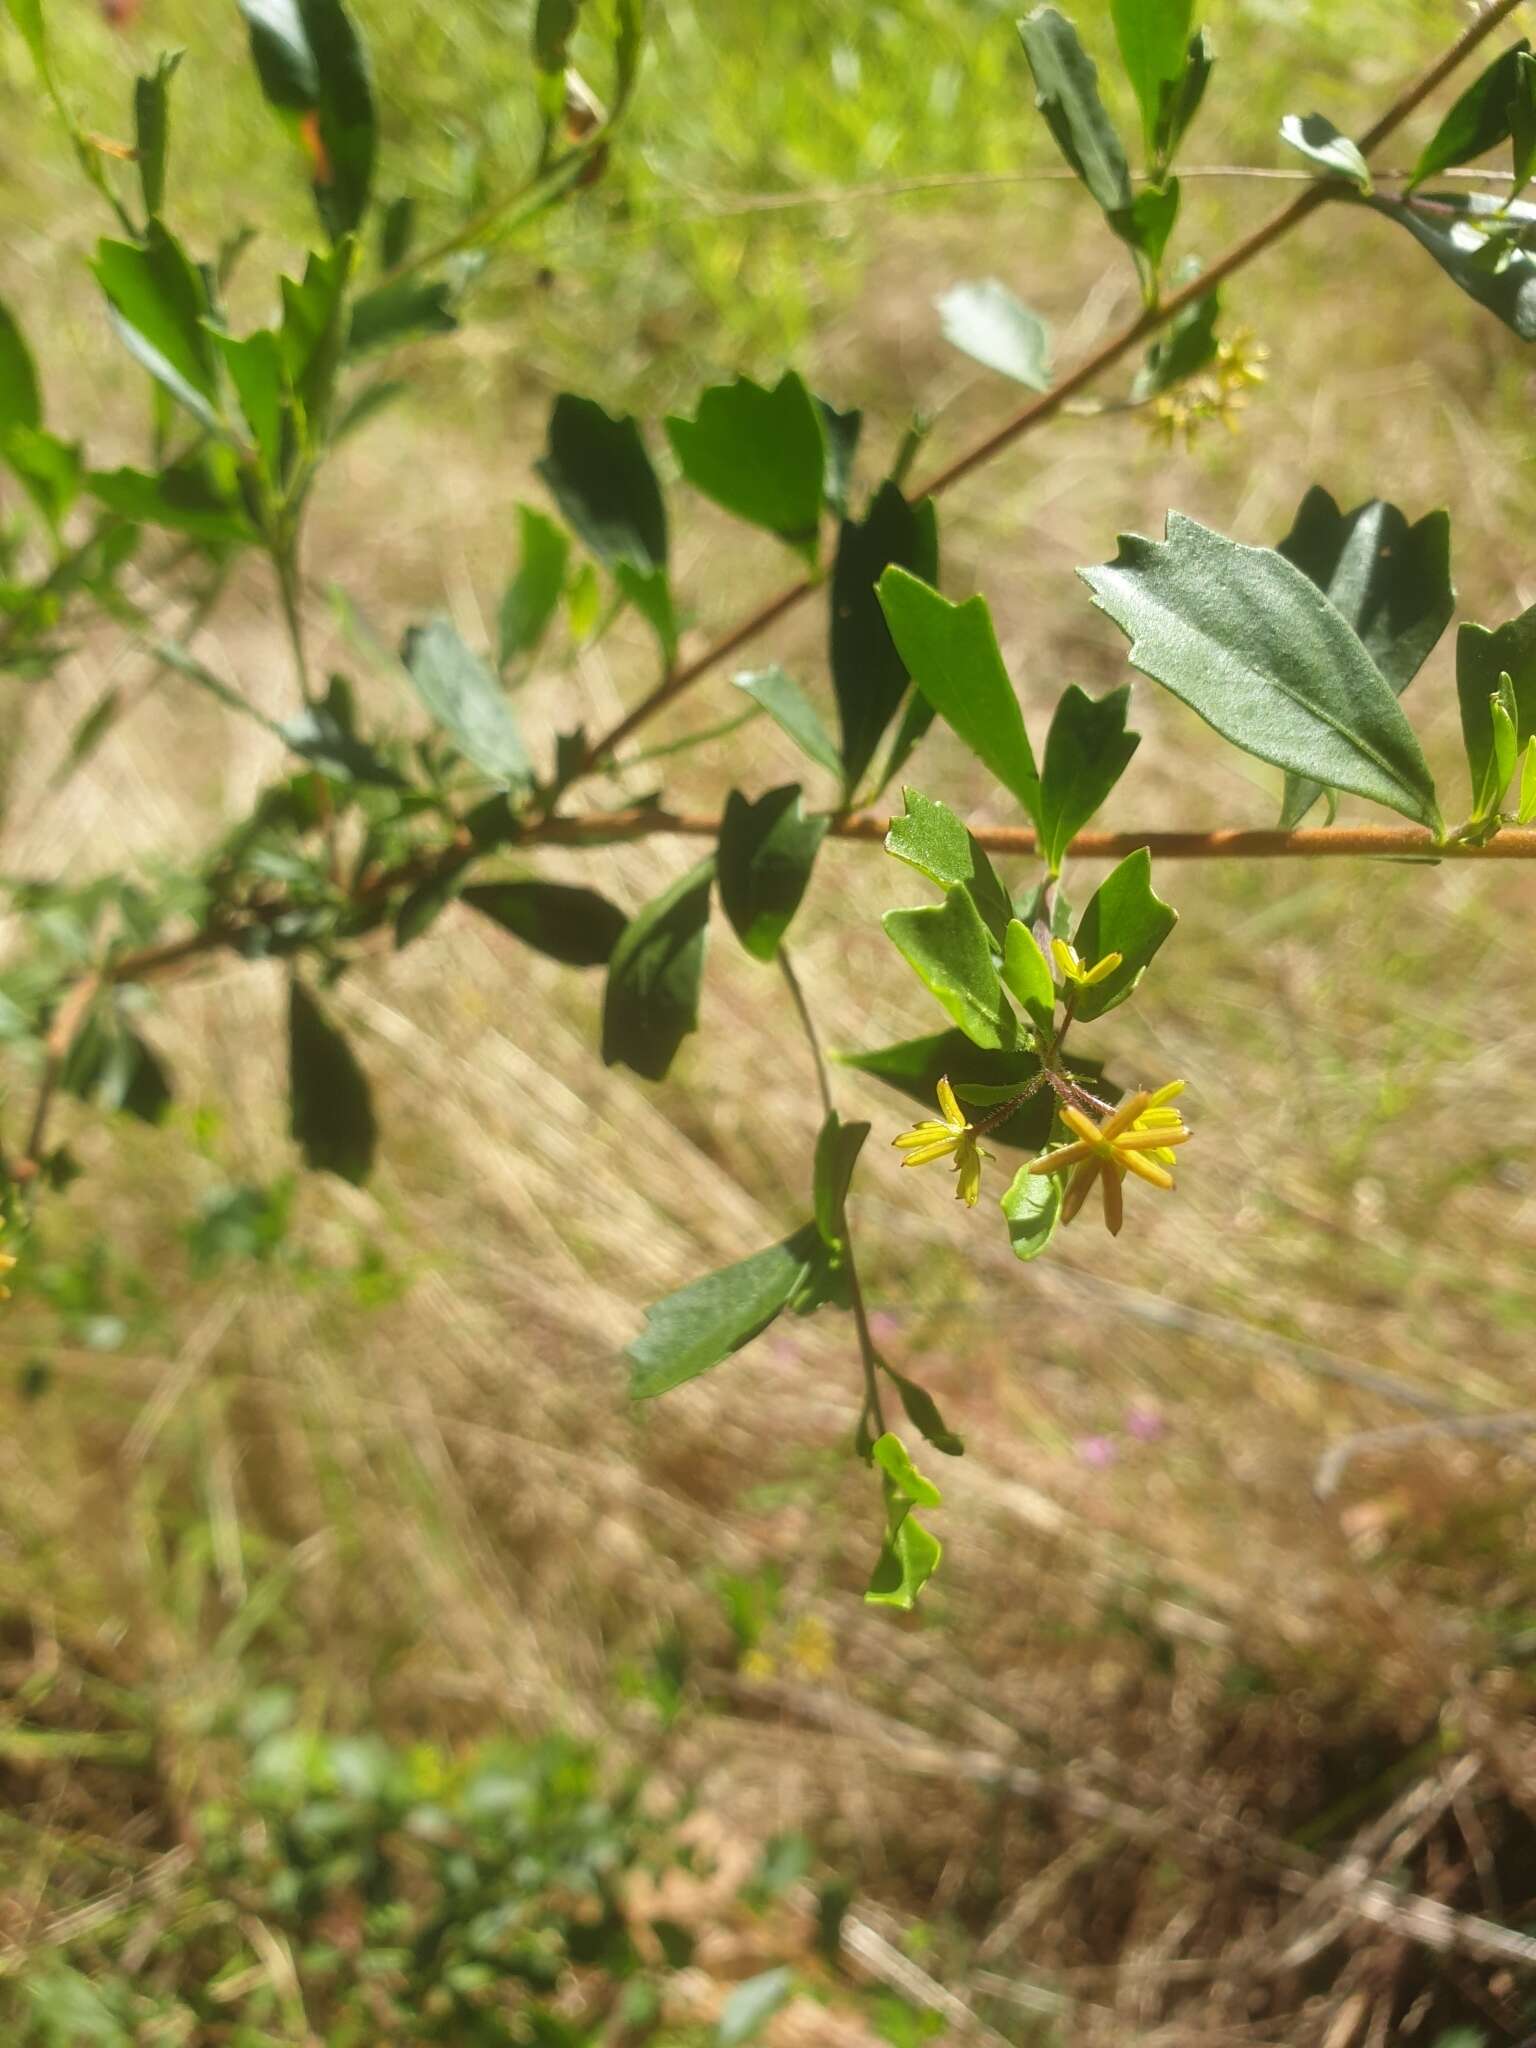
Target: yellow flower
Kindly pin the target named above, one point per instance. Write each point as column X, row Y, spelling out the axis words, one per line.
column 933, row 1140
column 1240, row 360
column 1138, row 1138
column 6, row 1263
column 1069, row 963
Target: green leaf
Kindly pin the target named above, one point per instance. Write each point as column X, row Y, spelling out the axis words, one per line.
column 894, row 1460
column 699, row 1326
column 1184, row 348
column 988, row 322
column 651, row 596
column 532, row 596
column 600, row 476
column 922, row 1411
column 554, row 22
column 326, row 734
column 1526, row 810
column 151, row 116
column 840, row 432
column 20, row 404
column 397, row 231
column 256, row 370
column 421, row 909
column 1522, row 123
column 181, row 498
column 1124, row 917
column 1506, row 747
column 908, row 1560
column 1484, row 659
column 1087, row 750
column 1388, row 580
column 159, row 305
column 932, row 839
column 947, row 947
column 752, row 2005
column 838, row 1146
column 1474, row 239
column 953, row 656
column 869, row 673
column 1027, row 976
column 652, row 999
column 1250, row 643
column 311, row 60
column 1032, row 1206
column 111, row 1066
column 314, row 330
column 790, row 709
column 1067, row 93
column 915, row 1066
column 331, row 1105
column 1181, row 102
column 1150, row 222
column 47, row 468
column 571, row 924
column 1153, row 36
column 1315, row 136
column 766, row 851
column 759, row 454
column 466, row 701
column 1479, row 120
column 397, row 312
column 28, row 17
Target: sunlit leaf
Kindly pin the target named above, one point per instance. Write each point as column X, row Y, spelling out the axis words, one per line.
column 948, row 948
column 990, row 323
column 1124, row 916
column 760, row 454
column 1087, row 750
column 701, row 1325
column 467, row 701
column 1315, row 136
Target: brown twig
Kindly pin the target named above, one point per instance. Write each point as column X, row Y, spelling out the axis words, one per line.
column 67, row 1019
column 1145, row 323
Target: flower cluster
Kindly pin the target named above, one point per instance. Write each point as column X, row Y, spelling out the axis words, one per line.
column 1220, row 395
column 1138, row 1138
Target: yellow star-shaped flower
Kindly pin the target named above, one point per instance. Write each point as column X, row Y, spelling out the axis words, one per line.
column 931, row 1140
column 1072, row 967
column 1138, row 1138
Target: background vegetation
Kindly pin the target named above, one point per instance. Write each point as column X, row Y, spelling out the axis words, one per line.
column 321, row 1509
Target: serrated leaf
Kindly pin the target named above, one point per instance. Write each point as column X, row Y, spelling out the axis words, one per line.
column 933, row 840
column 1067, row 94
column 1032, row 1207
column 151, row 126
column 568, row 923
column 838, row 1146
column 760, row 454
column 651, row 1002
column 703, row 1324
column 331, row 1106
column 1316, row 138
column 1249, row 642
column 1154, row 37
column 1087, row 750
column 948, row 948
column 312, row 62
column 159, row 306
column 1388, row 580
column 952, row 653
column 1479, row 120
column 1027, row 976
column 600, row 476
column 1474, row 241
column 995, row 327
column 314, row 329
column 466, row 701
column 532, row 596
column 1483, row 657
column 869, row 672
column 790, row 709
column 1123, row 916
column 765, row 854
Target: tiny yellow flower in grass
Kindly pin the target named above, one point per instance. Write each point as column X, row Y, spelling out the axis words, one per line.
column 932, row 1140
column 6, row 1263
column 1138, row 1138
column 1070, row 965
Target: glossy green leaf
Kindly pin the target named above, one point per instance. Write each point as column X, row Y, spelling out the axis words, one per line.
column 312, row 61
column 20, row 403
column 838, row 1146
column 1027, row 975
column 1087, row 750
column 703, row 1324
column 1484, row 659
column 1475, row 240
column 568, row 923
column 159, row 305
column 532, row 596
column 895, row 1461
column 952, row 653
column 600, row 476
column 948, row 948
column 766, row 850
column 1250, row 642
column 181, row 498
column 750, row 2006
column 1316, row 138
column 1154, row 38
column 760, row 454
column 991, row 324
column 151, row 124
column 1032, row 1207
column 1123, row 916
column 466, row 700
column 1479, row 120
column 1388, row 580
column 933, row 840
column 790, row 709
column 651, row 1002
column 257, row 372
column 331, row 1106
column 869, row 674
column 1067, row 93
column 922, row 1411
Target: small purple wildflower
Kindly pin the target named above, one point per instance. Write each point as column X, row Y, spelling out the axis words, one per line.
column 1144, row 1422
column 1097, row 1451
